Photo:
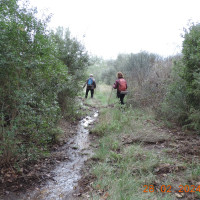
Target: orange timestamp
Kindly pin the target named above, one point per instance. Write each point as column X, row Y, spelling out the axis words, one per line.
column 167, row 188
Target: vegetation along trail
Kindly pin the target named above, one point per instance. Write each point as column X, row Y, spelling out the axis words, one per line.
column 56, row 144
column 67, row 173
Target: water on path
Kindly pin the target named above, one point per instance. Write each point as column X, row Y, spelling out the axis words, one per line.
column 67, row 173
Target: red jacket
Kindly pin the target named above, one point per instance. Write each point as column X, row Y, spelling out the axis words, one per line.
column 116, row 84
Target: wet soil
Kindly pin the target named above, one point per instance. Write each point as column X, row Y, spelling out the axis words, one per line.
column 64, row 169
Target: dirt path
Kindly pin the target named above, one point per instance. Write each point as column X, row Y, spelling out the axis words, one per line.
column 64, row 178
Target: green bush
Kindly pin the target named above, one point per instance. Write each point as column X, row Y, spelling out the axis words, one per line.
column 174, row 106
column 35, row 67
column 191, row 60
column 74, row 56
column 182, row 102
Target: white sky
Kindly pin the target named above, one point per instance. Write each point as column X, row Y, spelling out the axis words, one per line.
column 111, row 27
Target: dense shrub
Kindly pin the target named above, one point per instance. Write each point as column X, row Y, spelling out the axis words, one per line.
column 73, row 54
column 156, row 85
column 174, row 106
column 182, row 103
column 33, row 71
column 109, row 75
column 191, row 60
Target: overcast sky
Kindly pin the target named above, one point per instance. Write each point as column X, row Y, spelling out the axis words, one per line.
column 110, row 27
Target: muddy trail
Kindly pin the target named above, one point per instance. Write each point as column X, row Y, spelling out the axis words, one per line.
column 63, row 180
column 70, row 179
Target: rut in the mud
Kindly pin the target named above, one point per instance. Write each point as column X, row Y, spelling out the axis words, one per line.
column 67, row 173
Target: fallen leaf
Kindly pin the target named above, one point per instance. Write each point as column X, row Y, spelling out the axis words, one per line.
column 164, row 175
column 77, row 195
column 106, row 196
column 98, row 186
column 21, row 170
column 178, row 195
column 91, row 183
column 7, row 175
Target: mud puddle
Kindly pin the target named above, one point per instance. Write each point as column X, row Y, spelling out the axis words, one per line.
column 67, row 173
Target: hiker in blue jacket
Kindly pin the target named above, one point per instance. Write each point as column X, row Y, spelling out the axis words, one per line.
column 91, row 85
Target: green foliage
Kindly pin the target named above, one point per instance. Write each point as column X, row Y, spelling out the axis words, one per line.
column 182, row 102
column 35, row 67
column 175, row 106
column 102, row 70
column 109, row 75
column 73, row 54
column 191, row 59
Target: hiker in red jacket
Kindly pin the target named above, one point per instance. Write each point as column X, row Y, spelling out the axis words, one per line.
column 91, row 85
column 121, row 86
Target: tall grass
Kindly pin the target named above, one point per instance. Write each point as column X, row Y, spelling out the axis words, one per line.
column 126, row 161
column 123, row 170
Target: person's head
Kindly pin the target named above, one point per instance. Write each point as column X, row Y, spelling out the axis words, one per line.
column 120, row 75
column 91, row 75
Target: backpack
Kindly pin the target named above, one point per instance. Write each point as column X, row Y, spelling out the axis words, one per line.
column 122, row 85
column 90, row 81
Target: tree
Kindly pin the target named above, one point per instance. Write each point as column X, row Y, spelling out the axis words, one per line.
column 34, row 69
column 191, row 60
column 76, row 59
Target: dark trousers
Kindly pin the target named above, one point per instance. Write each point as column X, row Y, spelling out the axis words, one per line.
column 92, row 92
column 121, row 97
